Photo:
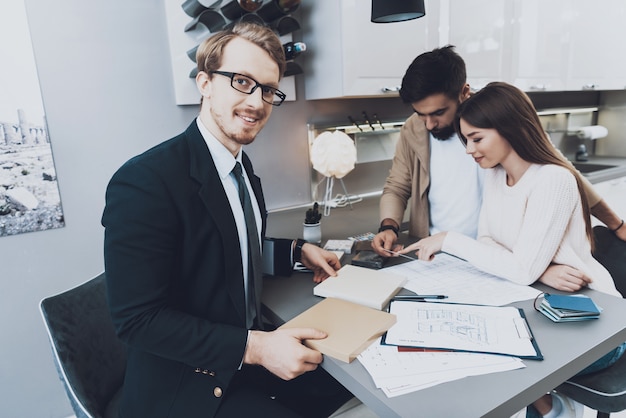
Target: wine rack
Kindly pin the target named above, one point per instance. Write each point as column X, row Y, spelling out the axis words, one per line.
column 192, row 21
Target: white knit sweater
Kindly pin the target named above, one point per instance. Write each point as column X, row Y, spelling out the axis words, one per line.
column 525, row 227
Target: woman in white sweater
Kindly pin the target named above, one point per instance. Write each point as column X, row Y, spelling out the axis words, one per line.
column 534, row 212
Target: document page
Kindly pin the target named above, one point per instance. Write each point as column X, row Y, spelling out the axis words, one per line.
column 482, row 329
column 397, row 373
column 460, row 281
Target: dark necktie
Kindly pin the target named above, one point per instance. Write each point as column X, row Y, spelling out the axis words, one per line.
column 253, row 300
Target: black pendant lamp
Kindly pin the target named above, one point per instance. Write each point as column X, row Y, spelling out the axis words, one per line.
column 388, row 11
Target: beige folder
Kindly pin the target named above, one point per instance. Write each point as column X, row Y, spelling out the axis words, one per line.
column 351, row 327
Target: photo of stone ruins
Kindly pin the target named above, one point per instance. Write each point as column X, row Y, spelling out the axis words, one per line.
column 29, row 193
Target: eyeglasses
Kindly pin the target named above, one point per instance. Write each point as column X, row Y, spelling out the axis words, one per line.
column 248, row 85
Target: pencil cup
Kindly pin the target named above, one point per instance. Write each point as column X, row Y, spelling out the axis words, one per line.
column 312, row 233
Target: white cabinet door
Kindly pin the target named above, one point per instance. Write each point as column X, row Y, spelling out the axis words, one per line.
column 540, row 47
column 349, row 56
column 537, row 45
column 569, row 45
column 597, row 59
column 480, row 31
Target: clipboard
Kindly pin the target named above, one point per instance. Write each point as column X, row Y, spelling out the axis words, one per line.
column 485, row 329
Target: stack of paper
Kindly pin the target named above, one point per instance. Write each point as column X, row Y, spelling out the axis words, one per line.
column 397, row 373
column 367, row 287
column 350, row 327
column 567, row 308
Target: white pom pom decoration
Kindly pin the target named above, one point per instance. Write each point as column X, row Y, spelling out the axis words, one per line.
column 333, row 154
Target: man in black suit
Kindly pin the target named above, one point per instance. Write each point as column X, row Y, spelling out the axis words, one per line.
column 180, row 268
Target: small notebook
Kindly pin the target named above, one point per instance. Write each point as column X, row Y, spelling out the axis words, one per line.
column 351, row 328
column 567, row 308
column 367, row 287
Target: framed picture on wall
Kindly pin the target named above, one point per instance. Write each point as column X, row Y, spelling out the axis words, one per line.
column 29, row 193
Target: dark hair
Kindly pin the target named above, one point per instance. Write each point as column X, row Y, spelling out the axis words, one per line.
column 509, row 111
column 439, row 71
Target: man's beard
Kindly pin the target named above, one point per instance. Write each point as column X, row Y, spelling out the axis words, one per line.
column 238, row 135
column 444, row 133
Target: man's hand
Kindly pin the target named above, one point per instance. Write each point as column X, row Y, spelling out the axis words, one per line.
column 323, row 263
column 565, row 278
column 282, row 351
column 385, row 240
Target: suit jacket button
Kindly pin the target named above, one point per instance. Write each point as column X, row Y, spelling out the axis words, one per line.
column 217, row 392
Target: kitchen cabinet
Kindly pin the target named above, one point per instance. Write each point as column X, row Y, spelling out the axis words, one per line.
column 596, row 58
column 536, row 45
column 540, row 43
column 349, row 56
column 479, row 31
column 568, row 45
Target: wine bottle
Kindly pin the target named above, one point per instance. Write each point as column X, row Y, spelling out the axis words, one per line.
column 277, row 8
column 237, row 8
column 293, row 49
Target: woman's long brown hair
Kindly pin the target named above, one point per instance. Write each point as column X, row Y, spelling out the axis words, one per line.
column 509, row 111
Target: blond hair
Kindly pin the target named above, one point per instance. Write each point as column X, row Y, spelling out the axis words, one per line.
column 210, row 52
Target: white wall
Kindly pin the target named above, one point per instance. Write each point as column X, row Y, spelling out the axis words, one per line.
column 107, row 88
column 104, row 74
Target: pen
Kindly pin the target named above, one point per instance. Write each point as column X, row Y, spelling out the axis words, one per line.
column 419, row 297
column 401, row 255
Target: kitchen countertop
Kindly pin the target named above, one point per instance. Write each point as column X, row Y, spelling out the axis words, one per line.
column 340, row 224
column 363, row 217
column 606, row 174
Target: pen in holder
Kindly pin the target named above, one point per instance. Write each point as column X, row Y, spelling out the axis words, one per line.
column 312, row 231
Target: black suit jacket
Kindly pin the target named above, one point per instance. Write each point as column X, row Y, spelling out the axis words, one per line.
column 175, row 278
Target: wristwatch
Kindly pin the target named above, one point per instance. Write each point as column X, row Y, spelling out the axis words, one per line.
column 297, row 250
column 387, row 227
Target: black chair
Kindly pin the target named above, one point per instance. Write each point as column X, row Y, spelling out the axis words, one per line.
column 90, row 359
column 604, row 391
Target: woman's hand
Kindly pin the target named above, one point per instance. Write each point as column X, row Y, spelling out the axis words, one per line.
column 426, row 248
column 565, row 278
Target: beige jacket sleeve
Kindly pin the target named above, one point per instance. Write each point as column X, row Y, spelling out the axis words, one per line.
column 408, row 180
